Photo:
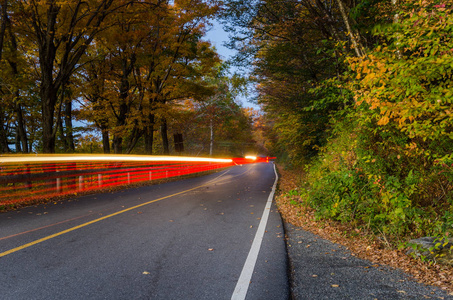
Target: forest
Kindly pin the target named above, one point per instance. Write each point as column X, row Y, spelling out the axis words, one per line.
column 358, row 97
column 117, row 76
column 355, row 95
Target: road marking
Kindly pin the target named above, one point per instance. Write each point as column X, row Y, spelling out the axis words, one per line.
column 246, row 275
column 103, row 218
column 44, row 227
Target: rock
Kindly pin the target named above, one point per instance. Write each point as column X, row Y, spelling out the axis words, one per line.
column 439, row 250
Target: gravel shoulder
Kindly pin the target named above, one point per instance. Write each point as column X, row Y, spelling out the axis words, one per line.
column 320, row 269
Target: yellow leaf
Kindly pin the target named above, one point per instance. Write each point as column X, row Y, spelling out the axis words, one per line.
column 383, row 121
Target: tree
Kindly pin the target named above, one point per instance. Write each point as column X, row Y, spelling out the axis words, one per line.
column 149, row 59
column 178, row 59
column 62, row 32
column 16, row 82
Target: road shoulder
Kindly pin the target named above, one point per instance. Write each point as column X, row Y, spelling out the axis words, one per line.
column 320, row 269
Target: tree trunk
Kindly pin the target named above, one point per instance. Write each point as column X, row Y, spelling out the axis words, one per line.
column 133, row 139
column 352, row 34
column 48, row 100
column 17, row 142
column 396, row 16
column 68, row 126
column 21, row 131
column 21, row 128
column 48, row 89
column 117, row 144
column 3, row 137
column 164, row 134
column 61, row 133
column 105, row 139
column 149, row 135
column 211, row 144
column 4, row 19
column 398, row 36
column 124, row 107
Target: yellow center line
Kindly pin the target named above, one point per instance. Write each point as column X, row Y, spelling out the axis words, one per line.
column 102, row 218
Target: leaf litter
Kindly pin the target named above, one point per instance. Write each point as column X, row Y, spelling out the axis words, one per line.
column 362, row 244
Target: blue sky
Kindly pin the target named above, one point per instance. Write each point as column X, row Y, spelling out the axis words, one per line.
column 218, row 36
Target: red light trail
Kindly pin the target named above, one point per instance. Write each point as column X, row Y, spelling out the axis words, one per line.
column 25, row 178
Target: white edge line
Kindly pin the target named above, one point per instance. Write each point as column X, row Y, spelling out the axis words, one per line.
column 247, row 271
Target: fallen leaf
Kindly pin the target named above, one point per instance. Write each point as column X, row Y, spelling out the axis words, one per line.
column 402, row 292
column 335, row 285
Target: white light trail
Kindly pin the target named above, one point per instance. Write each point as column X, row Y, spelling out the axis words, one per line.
column 44, row 158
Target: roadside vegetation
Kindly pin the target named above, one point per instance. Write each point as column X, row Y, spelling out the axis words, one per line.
column 360, row 242
column 358, row 100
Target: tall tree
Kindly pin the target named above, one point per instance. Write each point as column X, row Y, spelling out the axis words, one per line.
column 61, row 31
column 175, row 53
column 3, row 117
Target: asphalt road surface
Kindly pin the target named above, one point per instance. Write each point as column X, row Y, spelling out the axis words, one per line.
column 199, row 238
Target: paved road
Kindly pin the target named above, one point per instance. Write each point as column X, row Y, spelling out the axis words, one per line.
column 180, row 240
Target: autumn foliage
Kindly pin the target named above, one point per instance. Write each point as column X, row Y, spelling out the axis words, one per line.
column 121, row 69
column 359, row 94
